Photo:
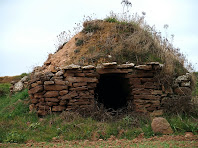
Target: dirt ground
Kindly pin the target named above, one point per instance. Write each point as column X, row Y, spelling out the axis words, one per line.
column 158, row 142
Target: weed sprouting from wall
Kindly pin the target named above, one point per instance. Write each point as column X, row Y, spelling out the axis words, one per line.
column 127, row 4
column 62, row 39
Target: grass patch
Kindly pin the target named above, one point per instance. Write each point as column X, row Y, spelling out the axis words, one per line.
column 4, row 89
column 17, row 125
column 183, row 123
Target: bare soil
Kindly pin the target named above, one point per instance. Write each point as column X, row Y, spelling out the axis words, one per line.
column 163, row 141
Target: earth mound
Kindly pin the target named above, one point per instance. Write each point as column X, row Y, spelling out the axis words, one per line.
column 112, row 40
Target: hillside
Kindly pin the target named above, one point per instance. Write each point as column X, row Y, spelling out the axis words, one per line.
column 9, row 79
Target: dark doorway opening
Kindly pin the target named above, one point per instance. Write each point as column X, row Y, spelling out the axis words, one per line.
column 112, row 91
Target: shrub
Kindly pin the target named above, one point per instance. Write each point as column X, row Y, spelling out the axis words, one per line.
column 19, row 77
column 24, row 74
column 79, row 42
column 90, row 28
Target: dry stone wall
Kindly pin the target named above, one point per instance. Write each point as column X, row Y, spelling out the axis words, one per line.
column 73, row 87
column 178, row 97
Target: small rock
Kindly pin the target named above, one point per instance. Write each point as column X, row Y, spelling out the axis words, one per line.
column 48, row 82
column 161, row 125
column 88, row 67
column 51, row 94
column 109, row 64
column 36, row 89
column 109, row 56
column 59, row 73
column 185, row 77
column 54, row 138
column 130, row 65
column 185, row 84
column 144, row 67
column 18, row 86
column 49, row 74
column 189, row 134
column 72, row 66
column 153, row 63
column 156, row 113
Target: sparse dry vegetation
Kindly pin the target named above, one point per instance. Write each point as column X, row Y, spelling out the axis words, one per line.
column 127, row 38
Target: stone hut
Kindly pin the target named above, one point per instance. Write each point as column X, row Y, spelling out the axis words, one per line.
column 134, row 87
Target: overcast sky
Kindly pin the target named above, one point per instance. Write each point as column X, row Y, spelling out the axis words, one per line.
column 28, row 28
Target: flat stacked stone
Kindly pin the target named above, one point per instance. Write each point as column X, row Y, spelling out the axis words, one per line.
column 72, row 87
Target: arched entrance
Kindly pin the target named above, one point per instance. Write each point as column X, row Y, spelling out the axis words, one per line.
column 112, row 91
